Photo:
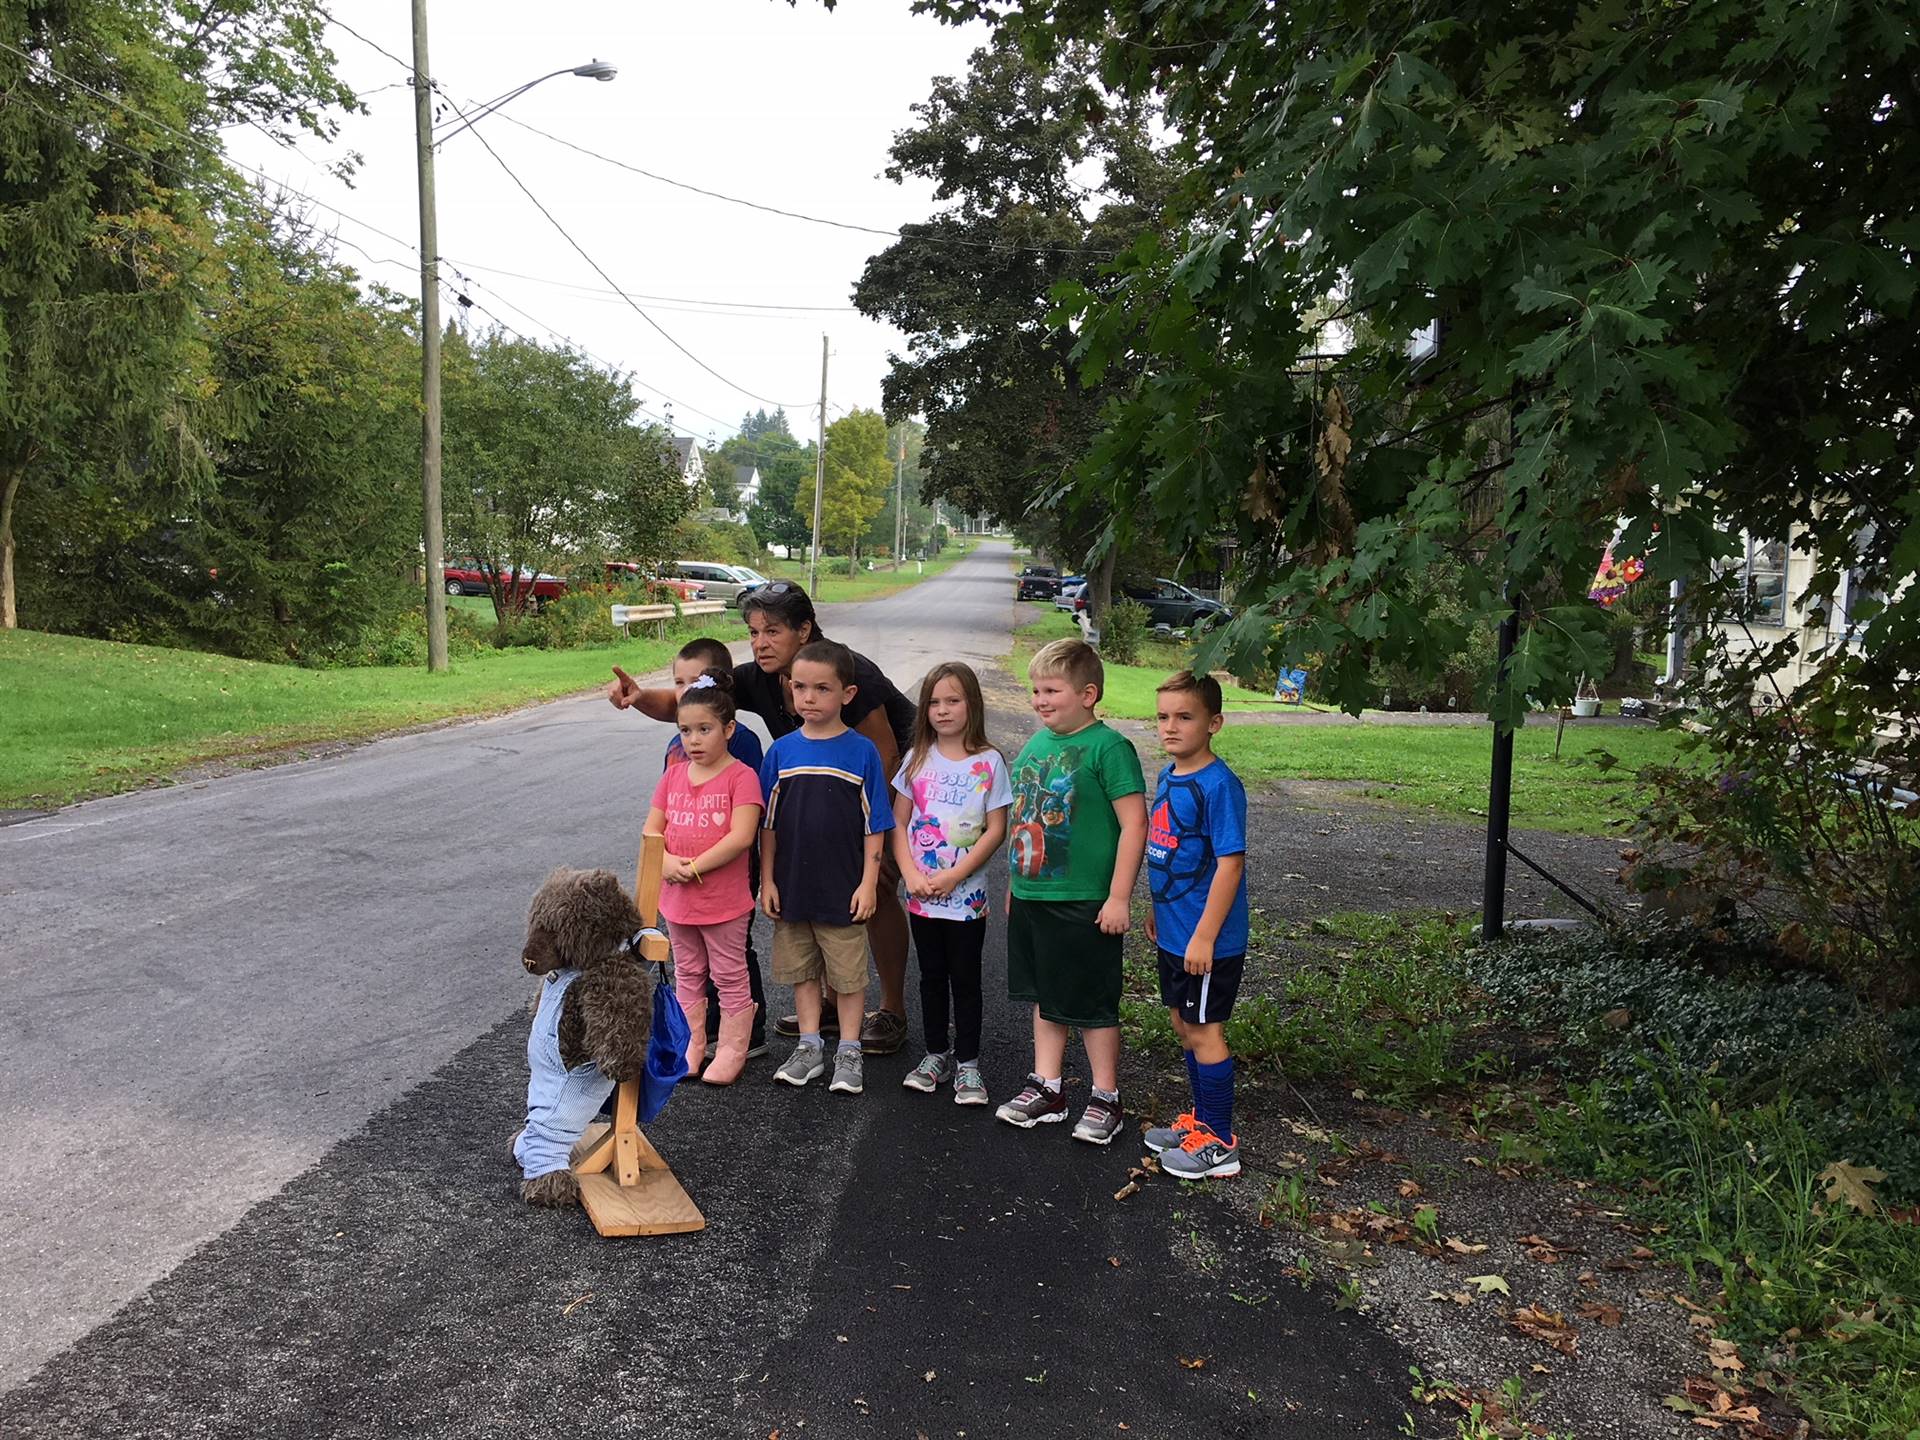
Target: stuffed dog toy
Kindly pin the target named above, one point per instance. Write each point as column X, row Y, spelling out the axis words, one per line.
column 590, row 1026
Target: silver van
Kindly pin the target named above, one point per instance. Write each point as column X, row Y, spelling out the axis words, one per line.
column 723, row 582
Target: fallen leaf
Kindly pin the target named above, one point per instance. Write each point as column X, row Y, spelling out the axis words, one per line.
column 1587, row 1277
column 1724, row 1354
column 1409, row 1189
column 1608, row 1315
column 1461, row 1247
column 1640, row 1252
column 1130, row 1188
column 1548, row 1327
column 577, row 1302
column 1488, row 1284
column 1537, row 1368
column 1199, row 1362
column 1114, row 1261
column 1852, row 1184
column 930, row 1376
column 1617, row 1018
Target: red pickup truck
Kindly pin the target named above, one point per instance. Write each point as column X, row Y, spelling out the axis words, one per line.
column 626, row 571
column 464, row 577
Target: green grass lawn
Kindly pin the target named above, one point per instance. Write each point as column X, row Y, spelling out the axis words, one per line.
column 836, row 586
column 88, row 717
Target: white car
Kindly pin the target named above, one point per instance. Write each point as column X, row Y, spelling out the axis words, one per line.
column 1069, row 597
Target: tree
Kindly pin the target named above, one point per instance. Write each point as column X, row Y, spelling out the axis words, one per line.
column 858, row 474
column 110, row 137
column 540, row 455
column 1009, row 146
column 1670, row 254
column 786, row 474
column 649, row 496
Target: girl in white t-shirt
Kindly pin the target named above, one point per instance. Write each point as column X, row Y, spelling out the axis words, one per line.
column 950, row 812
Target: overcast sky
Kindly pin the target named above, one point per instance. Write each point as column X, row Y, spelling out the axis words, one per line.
column 789, row 106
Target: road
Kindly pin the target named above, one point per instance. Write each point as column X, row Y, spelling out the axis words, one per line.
column 266, row 1045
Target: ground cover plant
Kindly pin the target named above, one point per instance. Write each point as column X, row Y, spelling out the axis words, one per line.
column 92, row 717
column 1754, row 1122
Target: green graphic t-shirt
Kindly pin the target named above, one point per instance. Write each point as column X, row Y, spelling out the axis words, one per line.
column 1062, row 835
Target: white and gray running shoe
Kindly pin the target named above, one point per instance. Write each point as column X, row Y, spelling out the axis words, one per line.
column 848, row 1072
column 929, row 1074
column 1203, row 1155
column 1099, row 1122
column 1035, row 1105
column 969, row 1087
column 808, row 1062
column 1168, row 1137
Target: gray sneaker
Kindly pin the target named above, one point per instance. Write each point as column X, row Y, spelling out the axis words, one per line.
column 968, row 1086
column 1099, row 1122
column 848, row 1072
column 808, row 1062
column 1035, row 1105
column 1168, row 1137
column 930, row 1074
column 1203, row 1155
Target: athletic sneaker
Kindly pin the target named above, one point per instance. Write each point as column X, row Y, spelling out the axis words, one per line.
column 1203, row 1155
column 930, row 1074
column 808, row 1062
column 1035, row 1105
column 1099, row 1122
column 968, row 1086
column 1168, row 1137
column 848, row 1072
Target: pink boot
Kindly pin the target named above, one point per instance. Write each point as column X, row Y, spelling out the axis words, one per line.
column 736, row 1033
column 696, row 1034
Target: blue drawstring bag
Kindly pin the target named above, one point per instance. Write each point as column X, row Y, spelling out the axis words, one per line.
column 666, row 1051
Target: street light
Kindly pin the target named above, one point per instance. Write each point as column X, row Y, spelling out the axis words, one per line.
column 430, row 515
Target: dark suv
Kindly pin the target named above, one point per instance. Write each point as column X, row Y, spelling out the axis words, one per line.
column 1174, row 606
column 1038, row 582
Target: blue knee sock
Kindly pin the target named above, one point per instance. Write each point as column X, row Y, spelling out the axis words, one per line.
column 1213, row 1096
column 1193, row 1077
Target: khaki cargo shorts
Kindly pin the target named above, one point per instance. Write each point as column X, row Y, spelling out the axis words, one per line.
column 806, row 950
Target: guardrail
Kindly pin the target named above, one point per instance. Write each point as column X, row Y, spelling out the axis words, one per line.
column 626, row 616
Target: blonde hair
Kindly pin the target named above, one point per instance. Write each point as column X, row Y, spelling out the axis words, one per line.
column 1074, row 661
column 974, row 739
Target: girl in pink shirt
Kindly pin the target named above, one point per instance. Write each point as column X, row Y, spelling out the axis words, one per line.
column 708, row 804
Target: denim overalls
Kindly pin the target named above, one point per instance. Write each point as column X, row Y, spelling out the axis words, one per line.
column 561, row 1103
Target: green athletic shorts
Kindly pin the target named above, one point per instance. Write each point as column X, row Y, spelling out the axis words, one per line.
column 1058, row 959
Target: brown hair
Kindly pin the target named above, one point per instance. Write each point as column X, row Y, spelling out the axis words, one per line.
column 828, row 652
column 714, row 689
column 1074, row 661
column 714, row 652
column 973, row 739
column 1186, row 682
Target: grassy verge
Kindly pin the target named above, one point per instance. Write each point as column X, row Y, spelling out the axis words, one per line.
column 88, row 717
column 1130, row 688
column 1759, row 1126
column 836, row 586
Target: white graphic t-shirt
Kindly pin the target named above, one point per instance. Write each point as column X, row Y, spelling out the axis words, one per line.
column 951, row 801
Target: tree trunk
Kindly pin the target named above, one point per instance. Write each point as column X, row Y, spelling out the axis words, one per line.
column 9, row 609
column 1100, row 588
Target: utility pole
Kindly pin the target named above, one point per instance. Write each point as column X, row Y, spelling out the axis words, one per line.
column 899, row 497
column 819, row 470
column 430, row 518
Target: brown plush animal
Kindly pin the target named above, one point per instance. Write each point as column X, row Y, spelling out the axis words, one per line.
column 590, row 1027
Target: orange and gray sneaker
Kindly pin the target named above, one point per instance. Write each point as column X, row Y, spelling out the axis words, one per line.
column 1168, row 1137
column 1203, row 1155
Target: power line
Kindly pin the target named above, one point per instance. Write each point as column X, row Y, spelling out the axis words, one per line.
column 664, row 299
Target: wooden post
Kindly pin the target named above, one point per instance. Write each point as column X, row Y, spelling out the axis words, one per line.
column 641, row 1196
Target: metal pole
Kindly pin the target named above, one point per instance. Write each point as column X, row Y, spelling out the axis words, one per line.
column 1493, row 900
column 430, row 516
column 819, row 476
column 899, row 497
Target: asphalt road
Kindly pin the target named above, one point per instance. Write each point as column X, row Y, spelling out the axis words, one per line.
column 266, row 1045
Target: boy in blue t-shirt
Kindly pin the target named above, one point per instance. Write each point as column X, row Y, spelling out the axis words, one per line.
column 827, row 813
column 1197, row 871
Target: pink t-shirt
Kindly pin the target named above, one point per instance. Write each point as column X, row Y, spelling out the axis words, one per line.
column 698, row 818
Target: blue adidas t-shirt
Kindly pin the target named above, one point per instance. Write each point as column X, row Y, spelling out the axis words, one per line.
column 1194, row 820
column 824, row 797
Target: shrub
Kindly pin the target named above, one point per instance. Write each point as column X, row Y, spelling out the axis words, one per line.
column 1122, row 630
column 723, row 541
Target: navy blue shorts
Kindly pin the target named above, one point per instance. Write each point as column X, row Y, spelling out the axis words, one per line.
column 1201, row 999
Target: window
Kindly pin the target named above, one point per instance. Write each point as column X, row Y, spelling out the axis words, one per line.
column 1763, row 581
column 1856, row 595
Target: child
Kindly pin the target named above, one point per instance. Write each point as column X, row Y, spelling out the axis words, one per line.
column 950, row 815
column 1197, row 871
column 708, row 806
column 826, row 822
column 1079, row 826
column 696, row 657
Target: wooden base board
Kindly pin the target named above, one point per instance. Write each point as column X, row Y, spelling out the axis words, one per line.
column 656, row 1205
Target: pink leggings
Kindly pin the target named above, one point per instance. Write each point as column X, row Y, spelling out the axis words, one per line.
column 721, row 949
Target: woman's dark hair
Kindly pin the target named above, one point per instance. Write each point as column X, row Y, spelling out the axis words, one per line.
column 829, row 652
column 786, row 602
column 714, row 690
column 713, row 652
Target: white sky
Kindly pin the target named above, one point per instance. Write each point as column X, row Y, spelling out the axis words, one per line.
column 787, row 106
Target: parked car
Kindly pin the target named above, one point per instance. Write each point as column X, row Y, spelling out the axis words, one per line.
column 1172, row 606
column 723, row 582
column 1072, row 587
column 1038, row 582
column 465, row 577
column 665, row 587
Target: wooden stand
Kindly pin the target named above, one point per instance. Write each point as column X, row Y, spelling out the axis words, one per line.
column 625, row 1185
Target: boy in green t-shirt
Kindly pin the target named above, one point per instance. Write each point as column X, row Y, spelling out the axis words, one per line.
column 1076, row 835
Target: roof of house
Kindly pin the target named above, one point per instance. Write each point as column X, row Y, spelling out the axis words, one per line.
column 745, row 475
column 683, row 447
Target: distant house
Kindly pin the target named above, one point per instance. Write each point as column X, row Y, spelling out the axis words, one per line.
column 746, row 479
column 1774, row 577
column 693, row 461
